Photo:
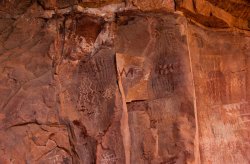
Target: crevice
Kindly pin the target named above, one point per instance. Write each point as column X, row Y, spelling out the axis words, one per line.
column 40, row 4
column 62, row 30
column 197, row 142
column 194, row 5
column 134, row 101
column 72, row 140
column 45, row 153
column 124, row 122
column 23, row 124
column 33, row 122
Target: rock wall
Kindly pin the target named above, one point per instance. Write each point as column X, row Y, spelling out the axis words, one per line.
column 132, row 82
column 220, row 62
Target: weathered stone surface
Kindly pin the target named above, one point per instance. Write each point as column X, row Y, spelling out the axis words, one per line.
column 145, row 5
column 134, row 76
column 220, row 62
column 234, row 12
column 128, row 82
column 156, row 79
column 59, row 4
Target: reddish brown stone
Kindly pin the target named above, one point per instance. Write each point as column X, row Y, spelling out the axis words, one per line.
column 128, row 82
column 220, row 64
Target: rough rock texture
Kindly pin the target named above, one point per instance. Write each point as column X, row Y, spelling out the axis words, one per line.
column 235, row 13
column 133, row 81
column 221, row 74
column 156, row 79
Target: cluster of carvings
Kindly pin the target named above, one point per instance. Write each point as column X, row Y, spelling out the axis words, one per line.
column 130, row 81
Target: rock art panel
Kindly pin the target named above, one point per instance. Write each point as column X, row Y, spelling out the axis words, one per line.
column 124, row 81
column 131, row 69
column 156, row 80
column 59, row 98
column 220, row 62
column 89, row 96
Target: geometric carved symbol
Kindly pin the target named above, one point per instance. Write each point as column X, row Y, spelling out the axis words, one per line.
column 126, row 73
column 108, row 158
column 131, row 72
column 164, row 69
column 234, row 106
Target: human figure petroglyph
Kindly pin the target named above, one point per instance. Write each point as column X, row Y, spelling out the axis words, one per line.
column 210, row 63
column 215, row 87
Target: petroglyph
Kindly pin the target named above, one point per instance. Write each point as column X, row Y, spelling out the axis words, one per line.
column 234, row 106
column 131, row 72
column 108, row 158
column 164, row 69
column 56, row 159
column 128, row 86
column 210, row 63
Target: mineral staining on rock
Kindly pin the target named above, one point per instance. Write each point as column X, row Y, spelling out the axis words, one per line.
column 124, row 81
column 156, row 81
column 221, row 64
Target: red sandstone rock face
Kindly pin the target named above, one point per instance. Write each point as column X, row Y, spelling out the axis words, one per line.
column 156, row 79
column 124, row 82
column 235, row 13
column 221, row 74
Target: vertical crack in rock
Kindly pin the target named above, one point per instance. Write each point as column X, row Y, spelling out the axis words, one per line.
column 124, row 121
column 72, row 140
column 124, row 81
column 196, row 142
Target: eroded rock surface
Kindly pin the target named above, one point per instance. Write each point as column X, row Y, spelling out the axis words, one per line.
column 221, row 73
column 156, row 78
column 124, row 81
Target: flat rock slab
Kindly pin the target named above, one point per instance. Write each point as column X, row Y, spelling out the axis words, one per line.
column 134, row 77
